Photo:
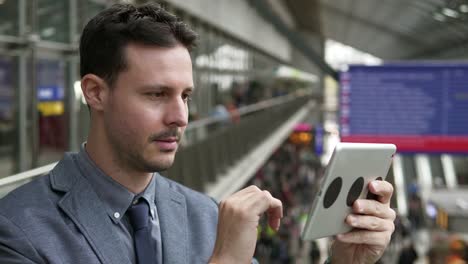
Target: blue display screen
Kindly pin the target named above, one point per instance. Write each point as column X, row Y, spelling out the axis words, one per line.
column 426, row 104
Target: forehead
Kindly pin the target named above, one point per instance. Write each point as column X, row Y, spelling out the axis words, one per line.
column 140, row 54
column 158, row 63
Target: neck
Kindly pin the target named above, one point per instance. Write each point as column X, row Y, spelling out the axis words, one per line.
column 104, row 156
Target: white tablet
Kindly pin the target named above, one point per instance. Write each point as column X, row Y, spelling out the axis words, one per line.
column 351, row 168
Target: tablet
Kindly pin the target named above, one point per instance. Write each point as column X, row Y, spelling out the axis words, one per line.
column 351, row 168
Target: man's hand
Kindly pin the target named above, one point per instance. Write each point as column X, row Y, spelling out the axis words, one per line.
column 239, row 216
column 373, row 226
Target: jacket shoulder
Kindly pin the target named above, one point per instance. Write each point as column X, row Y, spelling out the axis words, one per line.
column 34, row 194
column 17, row 208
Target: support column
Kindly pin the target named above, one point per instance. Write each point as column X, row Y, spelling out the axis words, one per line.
column 72, row 104
column 400, row 186
column 424, row 175
column 449, row 171
column 22, row 156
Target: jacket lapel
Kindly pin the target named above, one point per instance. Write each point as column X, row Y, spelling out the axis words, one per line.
column 172, row 213
column 84, row 208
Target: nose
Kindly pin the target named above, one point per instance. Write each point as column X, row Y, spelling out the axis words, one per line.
column 176, row 113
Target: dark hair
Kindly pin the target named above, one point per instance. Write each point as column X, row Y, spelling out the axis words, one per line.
column 107, row 34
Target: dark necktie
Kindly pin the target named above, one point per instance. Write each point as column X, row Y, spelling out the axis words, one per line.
column 138, row 215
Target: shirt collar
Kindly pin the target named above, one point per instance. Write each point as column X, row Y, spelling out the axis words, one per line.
column 148, row 195
column 116, row 197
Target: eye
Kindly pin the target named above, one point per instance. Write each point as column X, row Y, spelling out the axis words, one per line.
column 156, row 94
column 187, row 97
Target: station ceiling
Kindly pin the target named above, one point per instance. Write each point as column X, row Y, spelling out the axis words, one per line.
column 390, row 29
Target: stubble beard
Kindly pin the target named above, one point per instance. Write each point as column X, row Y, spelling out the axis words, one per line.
column 158, row 166
column 132, row 155
column 136, row 159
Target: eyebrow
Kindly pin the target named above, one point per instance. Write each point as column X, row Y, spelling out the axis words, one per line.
column 163, row 87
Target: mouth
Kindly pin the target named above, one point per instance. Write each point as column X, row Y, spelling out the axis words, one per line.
column 168, row 139
column 167, row 144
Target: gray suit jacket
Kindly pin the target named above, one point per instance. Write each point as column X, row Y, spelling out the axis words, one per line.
column 58, row 218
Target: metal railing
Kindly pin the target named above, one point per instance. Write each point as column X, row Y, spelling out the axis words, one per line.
column 221, row 147
column 8, row 184
column 210, row 145
column 199, row 129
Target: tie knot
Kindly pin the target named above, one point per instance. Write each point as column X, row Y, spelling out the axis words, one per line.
column 138, row 215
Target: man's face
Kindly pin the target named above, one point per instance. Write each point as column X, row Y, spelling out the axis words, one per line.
column 147, row 110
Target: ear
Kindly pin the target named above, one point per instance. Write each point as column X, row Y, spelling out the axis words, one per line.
column 95, row 91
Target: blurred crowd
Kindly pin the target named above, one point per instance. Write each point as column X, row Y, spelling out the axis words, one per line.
column 291, row 175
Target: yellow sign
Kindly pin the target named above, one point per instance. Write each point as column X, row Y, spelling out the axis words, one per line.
column 300, row 138
column 52, row 108
column 442, row 219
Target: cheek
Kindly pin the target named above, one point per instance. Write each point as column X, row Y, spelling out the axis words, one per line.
column 134, row 119
column 125, row 121
column 137, row 122
column 142, row 121
column 123, row 126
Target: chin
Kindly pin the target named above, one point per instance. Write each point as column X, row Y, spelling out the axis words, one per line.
column 156, row 161
column 159, row 165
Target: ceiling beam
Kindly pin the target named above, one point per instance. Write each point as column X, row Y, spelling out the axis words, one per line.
column 435, row 51
column 295, row 38
column 307, row 14
column 412, row 40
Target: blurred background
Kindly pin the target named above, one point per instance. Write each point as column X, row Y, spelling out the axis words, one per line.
column 278, row 84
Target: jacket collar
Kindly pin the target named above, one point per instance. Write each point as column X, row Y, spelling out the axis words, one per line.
column 82, row 205
column 172, row 211
column 84, row 208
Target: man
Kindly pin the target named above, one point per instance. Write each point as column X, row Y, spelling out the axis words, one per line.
column 105, row 204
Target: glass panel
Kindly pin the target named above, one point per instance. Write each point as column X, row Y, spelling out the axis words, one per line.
column 409, row 173
column 51, row 106
column 201, row 63
column 8, row 135
column 438, row 177
column 53, row 20
column 9, row 17
column 391, row 179
column 87, row 10
column 461, row 169
column 415, row 213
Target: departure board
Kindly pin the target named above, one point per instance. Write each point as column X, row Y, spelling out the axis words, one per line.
column 420, row 108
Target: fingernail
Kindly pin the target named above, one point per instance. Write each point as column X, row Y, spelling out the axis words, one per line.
column 375, row 185
column 359, row 207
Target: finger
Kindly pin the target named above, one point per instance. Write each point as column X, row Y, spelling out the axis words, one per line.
column 257, row 202
column 240, row 202
column 370, row 223
column 275, row 212
column 244, row 196
column 254, row 198
column 382, row 189
column 251, row 203
column 371, row 238
column 375, row 208
column 252, row 189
